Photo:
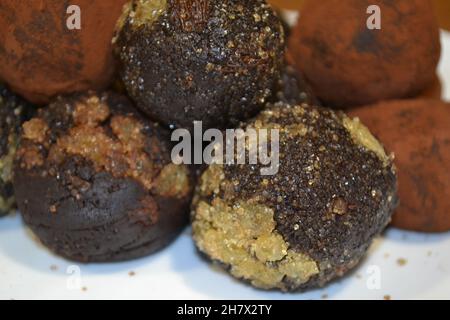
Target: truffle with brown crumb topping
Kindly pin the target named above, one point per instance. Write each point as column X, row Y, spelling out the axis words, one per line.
column 94, row 180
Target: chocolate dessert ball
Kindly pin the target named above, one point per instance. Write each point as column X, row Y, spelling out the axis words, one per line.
column 442, row 10
column 293, row 89
column 348, row 64
column 418, row 132
column 216, row 61
column 95, row 183
column 40, row 57
column 13, row 112
column 433, row 91
column 311, row 222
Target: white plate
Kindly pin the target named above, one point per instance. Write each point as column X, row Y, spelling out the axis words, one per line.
column 400, row 265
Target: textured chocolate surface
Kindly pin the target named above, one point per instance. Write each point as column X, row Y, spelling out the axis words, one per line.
column 293, row 89
column 333, row 194
column 99, row 192
column 216, row 61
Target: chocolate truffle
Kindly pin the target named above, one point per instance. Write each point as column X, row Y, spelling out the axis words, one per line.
column 418, row 132
column 433, row 91
column 442, row 9
column 94, row 180
column 293, row 89
column 348, row 64
column 215, row 61
column 13, row 112
column 311, row 222
column 40, row 57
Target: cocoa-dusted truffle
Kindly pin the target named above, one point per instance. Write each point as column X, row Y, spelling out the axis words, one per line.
column 312, row 221
column 348, row 64
column 433, row 91
column 442, row 10
column 418, row 132
column 217, row 61
column 94, row 180
column 13, row 112
column 41, row 58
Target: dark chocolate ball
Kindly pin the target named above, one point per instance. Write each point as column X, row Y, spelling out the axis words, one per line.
column 216, row 61
column 13, row 112
column 311, row 222
column 94, row 180
column 293, row 89
column 348, row 64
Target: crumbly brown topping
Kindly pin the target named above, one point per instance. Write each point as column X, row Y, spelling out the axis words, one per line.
column 30, row 156
column 116, row 143
column 35, row 130
column 90, row 112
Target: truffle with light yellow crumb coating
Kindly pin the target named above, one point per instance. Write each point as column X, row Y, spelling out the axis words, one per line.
column 314, row 220
column 94, row 180
column 216, row 61
column 13, row 112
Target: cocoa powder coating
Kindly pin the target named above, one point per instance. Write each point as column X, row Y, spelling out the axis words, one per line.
column 41, row 58
column 418, row 132
column 348, row 64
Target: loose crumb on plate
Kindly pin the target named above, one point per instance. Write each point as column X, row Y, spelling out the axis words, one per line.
column 84, row 289
column 54, row 267
column 402, row 262
column 131, row 273
column 387, row 297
